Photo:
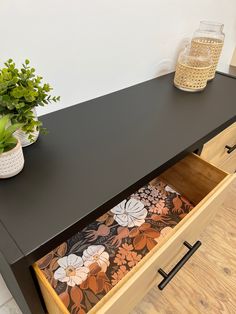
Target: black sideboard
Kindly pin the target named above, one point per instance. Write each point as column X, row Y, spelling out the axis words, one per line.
column 95, row 155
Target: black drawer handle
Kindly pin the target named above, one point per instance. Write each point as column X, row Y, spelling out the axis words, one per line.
column 230, row 148
column 179, row 265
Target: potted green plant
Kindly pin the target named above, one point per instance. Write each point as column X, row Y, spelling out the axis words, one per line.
column 21, row 91
column 11, row 155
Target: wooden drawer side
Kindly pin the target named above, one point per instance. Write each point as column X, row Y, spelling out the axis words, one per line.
column 53, row 303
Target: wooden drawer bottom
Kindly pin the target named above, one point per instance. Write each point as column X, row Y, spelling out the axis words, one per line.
column 201, row 183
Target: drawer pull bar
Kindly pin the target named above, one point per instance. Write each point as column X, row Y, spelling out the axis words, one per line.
column 230, row 148
column 179, row 265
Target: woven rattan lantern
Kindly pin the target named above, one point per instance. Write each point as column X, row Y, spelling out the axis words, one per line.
column 210, row 34
column 192, row 70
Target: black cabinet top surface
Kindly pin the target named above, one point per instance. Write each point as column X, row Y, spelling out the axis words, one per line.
column 96, row 150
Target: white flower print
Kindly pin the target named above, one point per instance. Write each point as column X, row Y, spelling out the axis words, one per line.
column 71, row 270
column 169, row 189
column 146, row 203
column 155, row 193
column 130, row 213
column 96, row 254
column 163, row 234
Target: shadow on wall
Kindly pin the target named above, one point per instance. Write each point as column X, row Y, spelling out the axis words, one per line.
column 168, row 65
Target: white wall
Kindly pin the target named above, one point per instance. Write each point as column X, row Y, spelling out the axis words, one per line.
column 87, row 48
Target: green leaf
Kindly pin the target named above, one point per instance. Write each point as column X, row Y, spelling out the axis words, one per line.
column 7, row 140
column 3, row 123
column 9, row 147
column 10, row 106
column 11, row 140
column 12, row 128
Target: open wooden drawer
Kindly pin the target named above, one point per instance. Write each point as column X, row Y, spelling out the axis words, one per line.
column 221, row 150
column 205, row 187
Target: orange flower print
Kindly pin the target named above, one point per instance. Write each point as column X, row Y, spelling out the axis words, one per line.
column 126, row 249
column 127, row 255
column 158, row 209
column 116, row 277
column 120, row 259
column 133, row 259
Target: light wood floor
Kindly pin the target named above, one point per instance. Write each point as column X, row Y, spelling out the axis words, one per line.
column 207, row 283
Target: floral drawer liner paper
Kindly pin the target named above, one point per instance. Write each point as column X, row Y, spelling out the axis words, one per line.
column 84, row 268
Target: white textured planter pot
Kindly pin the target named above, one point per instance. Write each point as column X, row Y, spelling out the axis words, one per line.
column 24, row 138
column 11, row 162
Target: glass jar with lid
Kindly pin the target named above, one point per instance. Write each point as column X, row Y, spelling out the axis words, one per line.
column 210, row 34
column 192, row 70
